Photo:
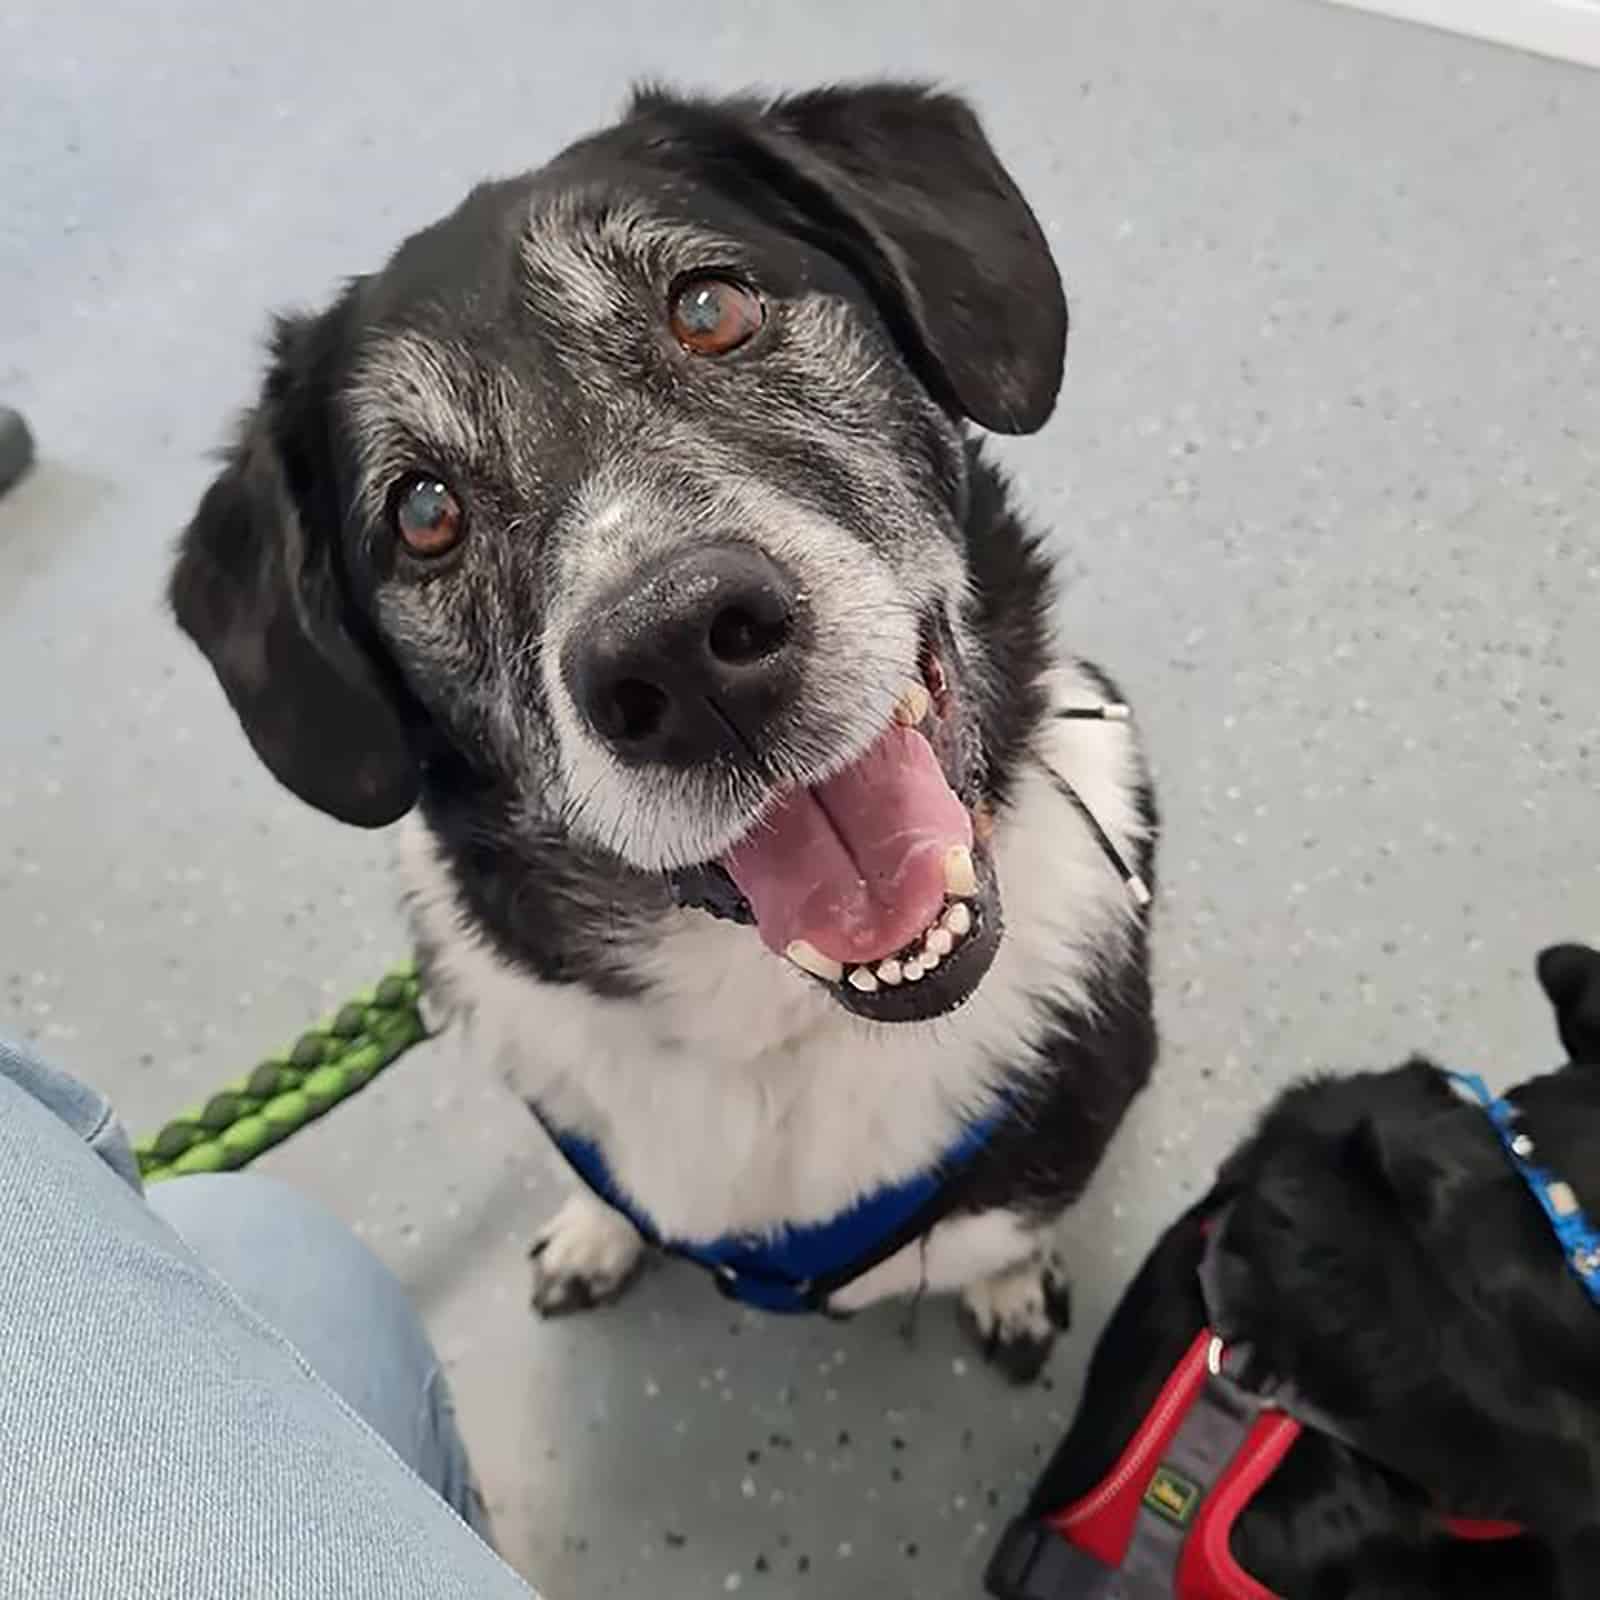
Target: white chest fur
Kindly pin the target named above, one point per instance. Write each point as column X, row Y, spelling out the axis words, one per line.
column 737, row 1095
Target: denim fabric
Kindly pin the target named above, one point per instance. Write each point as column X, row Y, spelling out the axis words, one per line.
column 218, row 1393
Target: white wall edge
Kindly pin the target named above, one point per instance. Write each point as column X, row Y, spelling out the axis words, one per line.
column 1568, row 30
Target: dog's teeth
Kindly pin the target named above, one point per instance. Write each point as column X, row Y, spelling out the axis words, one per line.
column 808, row 958
column 861, row 978
column 940, row 942
column 889, row 972
column 913, row 706
column 913, row 969
column 928, row 957
column 960, row 876
column 958, row 919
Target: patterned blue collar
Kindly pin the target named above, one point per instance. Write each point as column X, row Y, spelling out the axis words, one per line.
column 1579, row 1238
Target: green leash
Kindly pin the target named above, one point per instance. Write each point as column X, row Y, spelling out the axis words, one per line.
column 328, row 1063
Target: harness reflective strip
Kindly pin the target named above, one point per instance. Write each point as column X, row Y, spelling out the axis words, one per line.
column 1102, row 1522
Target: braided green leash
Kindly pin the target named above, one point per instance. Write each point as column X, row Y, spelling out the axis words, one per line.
column 328, row 1063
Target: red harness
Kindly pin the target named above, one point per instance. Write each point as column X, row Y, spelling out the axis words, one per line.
column 1102, row 1523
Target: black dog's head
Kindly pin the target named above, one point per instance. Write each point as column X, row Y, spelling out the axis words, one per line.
column 1374, row 1250
column 1383, row 1253
column 634, row 488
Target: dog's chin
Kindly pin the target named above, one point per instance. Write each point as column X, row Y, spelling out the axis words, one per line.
column 877, row 883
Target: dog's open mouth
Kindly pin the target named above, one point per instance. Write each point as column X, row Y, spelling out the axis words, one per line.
column 876, row 882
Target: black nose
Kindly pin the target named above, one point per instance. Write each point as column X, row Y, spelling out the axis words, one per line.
column 689, row 658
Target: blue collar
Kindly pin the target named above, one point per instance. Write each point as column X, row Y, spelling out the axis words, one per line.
column 1579, row 1238
column 798, row 1267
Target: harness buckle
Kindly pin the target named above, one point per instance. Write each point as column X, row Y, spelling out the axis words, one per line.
column 1033, row 1562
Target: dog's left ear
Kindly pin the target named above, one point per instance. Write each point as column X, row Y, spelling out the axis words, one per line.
column 901, row 185
column 1398, row 1150
column 1570, row 977
column 1414, row 1177
column 943, row 237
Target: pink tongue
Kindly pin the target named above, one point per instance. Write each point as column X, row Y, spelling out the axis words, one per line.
column 856, row 865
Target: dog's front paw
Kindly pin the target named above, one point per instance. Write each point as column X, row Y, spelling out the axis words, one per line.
column 585, row 1256
column 1016, row 1315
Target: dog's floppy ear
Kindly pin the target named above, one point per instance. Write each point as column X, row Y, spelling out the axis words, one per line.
column 900, row 184
column 1417, row 1179
column 943, row 237
column 258, row 587
column 1397, row 1145
column 1570, row 976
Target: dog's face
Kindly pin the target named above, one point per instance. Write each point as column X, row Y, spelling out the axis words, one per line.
column 636, row 486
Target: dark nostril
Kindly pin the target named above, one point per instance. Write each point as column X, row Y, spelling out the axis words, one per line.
column 689, row 658
column 741, row 634
column 638, row 709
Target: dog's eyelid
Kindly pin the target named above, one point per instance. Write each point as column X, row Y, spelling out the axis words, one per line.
column 724, row 269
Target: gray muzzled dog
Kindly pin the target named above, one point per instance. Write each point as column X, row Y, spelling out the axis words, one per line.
column 625, row 531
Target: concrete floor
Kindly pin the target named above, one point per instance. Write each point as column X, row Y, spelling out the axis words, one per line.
column 1325, row 478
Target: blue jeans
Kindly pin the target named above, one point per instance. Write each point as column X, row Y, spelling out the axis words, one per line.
column 215, row 1392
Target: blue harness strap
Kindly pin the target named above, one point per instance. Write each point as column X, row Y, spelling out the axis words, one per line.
column 797, row 1267
column 1577, row 1235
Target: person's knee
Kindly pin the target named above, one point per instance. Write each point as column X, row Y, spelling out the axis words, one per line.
column 301, row 1270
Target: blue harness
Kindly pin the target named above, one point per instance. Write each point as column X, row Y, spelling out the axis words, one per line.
column 797, row 1268
column 1578, row 1237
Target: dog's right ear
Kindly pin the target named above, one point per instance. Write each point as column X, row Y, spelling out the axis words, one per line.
column 1570, row 977
column 258, row 586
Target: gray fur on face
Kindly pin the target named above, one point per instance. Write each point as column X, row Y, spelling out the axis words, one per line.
column 595, row 446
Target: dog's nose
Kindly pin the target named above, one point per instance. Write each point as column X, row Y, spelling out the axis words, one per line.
column 689, row 658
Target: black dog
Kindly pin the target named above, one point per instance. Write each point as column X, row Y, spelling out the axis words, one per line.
column 1376, row 1258
column 626, row 529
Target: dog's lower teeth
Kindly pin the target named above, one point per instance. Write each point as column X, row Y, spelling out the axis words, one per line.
column 863, row 980
column 912, row 706
column 960, row 876
column 940, row 941
column 808, row 958
column 958, row 919
column 890, row 972
column 913, row 969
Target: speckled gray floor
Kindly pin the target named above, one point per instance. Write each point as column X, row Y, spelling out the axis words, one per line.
column 1326, row 479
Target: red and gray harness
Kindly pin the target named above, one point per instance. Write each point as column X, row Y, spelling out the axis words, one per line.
column 1159, row 1526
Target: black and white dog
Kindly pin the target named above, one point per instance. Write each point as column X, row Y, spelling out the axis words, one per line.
column 625, row 529
column 1413, row 1286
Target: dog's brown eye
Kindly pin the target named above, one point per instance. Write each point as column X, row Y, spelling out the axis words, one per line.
column 711, row 316
column 428, row 517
